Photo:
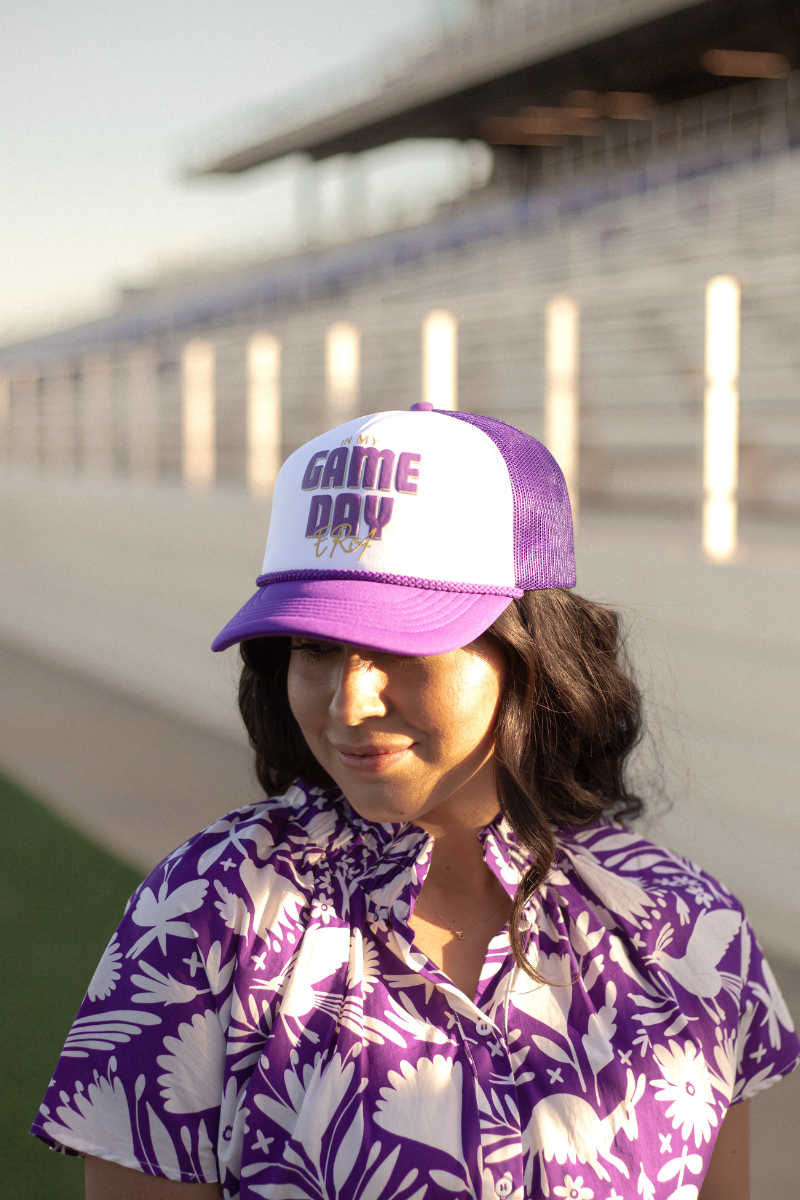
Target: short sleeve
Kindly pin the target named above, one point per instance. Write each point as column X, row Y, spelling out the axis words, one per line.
column 140, row 1078
column 766, row 1047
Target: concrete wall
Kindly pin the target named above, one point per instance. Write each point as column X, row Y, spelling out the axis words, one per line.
column 128, row 584
column 716, row 650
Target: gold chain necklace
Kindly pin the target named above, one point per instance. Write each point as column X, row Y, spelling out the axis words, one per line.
column 462, row 933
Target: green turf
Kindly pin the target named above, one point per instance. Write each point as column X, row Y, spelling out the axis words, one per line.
column 61, row 897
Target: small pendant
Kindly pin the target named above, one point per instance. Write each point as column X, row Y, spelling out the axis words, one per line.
column 460, row 935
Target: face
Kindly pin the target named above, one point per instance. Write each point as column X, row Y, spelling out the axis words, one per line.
column 402, row 737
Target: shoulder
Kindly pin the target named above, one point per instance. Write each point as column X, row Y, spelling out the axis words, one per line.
column 273, row 843
column 683, row 939
column 637, row 874
column 665, row 917
column 250, row 873
column 300, row 824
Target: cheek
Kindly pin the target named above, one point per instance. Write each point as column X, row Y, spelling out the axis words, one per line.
column 471, row 701
column 305, row 687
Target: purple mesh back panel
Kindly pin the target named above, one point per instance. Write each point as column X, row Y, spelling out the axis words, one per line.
column 544, row 556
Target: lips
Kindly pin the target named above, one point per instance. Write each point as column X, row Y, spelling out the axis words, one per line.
column 369, row 759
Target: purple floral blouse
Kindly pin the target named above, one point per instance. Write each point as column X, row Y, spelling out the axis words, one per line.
column 263, row 1017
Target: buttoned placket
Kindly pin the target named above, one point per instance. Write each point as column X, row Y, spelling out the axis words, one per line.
column 483, row 1041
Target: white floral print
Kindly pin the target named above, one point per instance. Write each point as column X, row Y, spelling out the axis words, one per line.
column 164, row 1152
column 192, row 1080
column 777, row 1014
column 573, row 1189
column 687, row 1089
column 158, row 988
column 232, row 908
column 424, row 1103
column 107, row 973
column 105, row 1031
column 96, row 1119
column 263, row 1017
column 364, row 964
column 158, row 915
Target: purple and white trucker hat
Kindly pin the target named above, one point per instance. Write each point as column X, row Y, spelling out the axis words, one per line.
column 409, row 532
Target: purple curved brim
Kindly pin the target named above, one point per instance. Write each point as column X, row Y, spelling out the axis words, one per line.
column 382, row 616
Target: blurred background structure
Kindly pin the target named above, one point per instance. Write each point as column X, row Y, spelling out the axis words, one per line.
column 580, row 216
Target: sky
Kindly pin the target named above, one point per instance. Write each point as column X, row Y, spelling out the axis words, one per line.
column 100, row 101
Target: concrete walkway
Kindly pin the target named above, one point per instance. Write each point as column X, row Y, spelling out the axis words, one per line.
column 140, row 781
column 137, row 780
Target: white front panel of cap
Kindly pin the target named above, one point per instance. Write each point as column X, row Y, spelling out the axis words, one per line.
column 400, row 493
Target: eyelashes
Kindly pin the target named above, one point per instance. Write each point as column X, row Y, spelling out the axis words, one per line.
column 313, row 649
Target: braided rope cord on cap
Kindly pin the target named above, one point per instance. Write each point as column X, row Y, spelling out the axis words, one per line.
column 435, row 585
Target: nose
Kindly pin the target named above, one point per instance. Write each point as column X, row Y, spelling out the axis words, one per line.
column 359, row 691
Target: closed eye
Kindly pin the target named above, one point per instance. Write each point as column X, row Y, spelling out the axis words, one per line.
column 312, row 648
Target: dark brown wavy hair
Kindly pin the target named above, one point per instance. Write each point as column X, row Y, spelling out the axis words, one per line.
column 569, row 717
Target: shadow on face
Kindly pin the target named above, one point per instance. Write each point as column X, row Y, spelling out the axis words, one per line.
column 401, row 736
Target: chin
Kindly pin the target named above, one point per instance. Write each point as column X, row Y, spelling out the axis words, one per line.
column 378, row 809
column 385, row 796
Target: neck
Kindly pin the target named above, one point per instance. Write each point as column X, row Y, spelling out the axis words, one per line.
column 457, row 861
column 463, row 903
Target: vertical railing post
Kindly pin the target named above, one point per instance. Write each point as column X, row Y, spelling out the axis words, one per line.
column 142, row 420
column 97, row 415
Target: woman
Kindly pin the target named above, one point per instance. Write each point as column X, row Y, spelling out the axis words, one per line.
column 434, row 962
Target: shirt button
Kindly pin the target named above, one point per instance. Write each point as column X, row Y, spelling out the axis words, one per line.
column 483, row 1027
column 504, row 1186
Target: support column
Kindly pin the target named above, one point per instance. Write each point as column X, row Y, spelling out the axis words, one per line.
column 721, row 426
column 263, row 413
column 562, row 396
column 342, row 371
column 199, row 425
column 440, row 360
